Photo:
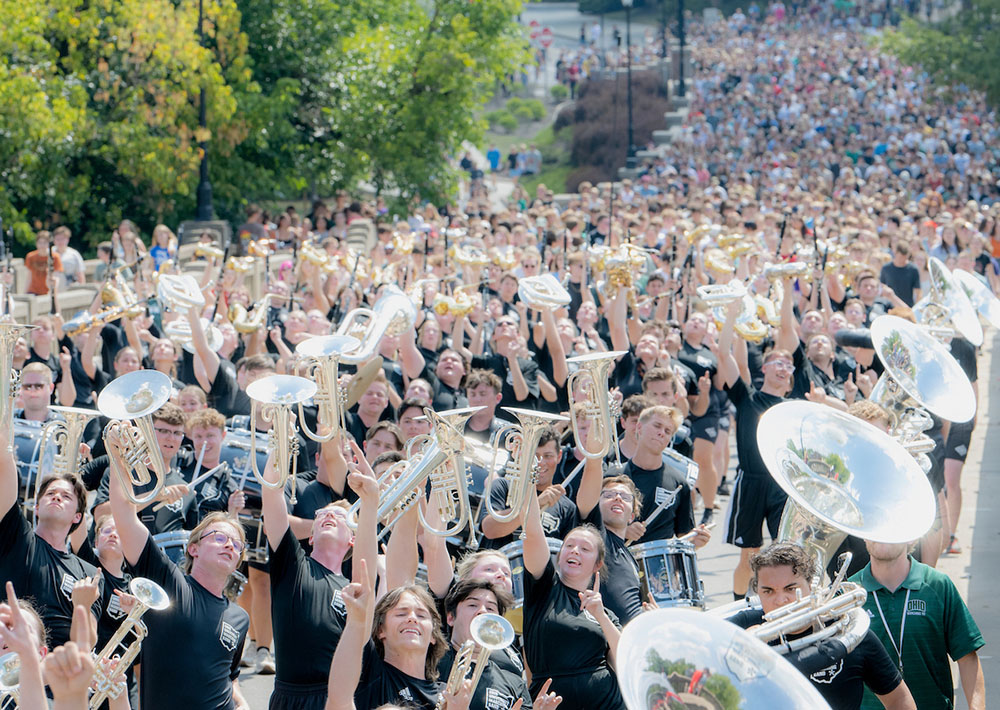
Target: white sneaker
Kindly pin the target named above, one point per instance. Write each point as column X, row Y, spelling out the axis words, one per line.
column 249, row 655
column 265, row 662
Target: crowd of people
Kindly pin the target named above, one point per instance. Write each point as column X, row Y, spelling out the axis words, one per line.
column 821, row 174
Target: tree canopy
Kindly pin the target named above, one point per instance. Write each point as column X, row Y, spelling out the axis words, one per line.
column 99, row 101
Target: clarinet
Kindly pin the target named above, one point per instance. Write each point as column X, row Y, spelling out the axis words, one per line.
column 48, row 278
column 222, row 274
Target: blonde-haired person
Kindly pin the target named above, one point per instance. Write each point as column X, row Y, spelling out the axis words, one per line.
column 192, row 653
column 164, row 245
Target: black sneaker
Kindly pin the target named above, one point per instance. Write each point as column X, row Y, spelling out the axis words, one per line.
column 723, row 489
column 706, row 516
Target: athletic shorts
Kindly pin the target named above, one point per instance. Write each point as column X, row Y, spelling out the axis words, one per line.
column 755, row 500
column 959, row 437
column 936, row 474
column 292, row 696
column 706, row 427
column 725, row 422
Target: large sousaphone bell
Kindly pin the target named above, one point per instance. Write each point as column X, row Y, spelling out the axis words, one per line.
column 129, row 401
column 979, row 293
column 842, row 476
column 681, row 658
column 948, row 305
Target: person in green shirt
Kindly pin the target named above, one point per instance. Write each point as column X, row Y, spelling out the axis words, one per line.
column 937, row 625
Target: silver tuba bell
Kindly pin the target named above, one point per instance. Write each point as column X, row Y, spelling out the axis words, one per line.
column 520, row 440
column 946, row 306
column 273, row 398
column 687, row 659
column 321, row 361
column 393, row 314
column 129, row 401
column 604, row 431
column 543, row 291
column 981, row 296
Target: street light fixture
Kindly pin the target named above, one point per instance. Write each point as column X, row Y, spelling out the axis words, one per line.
column 630, row 161
column 204, row 211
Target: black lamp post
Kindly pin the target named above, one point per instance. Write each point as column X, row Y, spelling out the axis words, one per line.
column 630, row 159
column 204, row 212
column 681, row 89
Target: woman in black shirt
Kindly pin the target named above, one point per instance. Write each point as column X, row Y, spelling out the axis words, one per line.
column 568, row 634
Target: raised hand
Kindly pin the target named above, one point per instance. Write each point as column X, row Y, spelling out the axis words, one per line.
column 546, row 700
column 359, row 593
column 69, row 669
column 590, row 599
column 85, row 591
column 15, row 632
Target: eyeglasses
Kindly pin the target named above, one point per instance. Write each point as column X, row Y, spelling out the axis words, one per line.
column 107, row 530
column 169, row 432
column 611, row 495
column 33, row 385
column 221, row 538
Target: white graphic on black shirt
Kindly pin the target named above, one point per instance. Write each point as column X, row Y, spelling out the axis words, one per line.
column 176, row 506
column 664, row 497
column 337, row 603
column 229, row 637
column 66, row 586
column 829, row 673
column 515, row 659
column 550, row 523
column 406, row 694
column 497, row 700
column 115, row 610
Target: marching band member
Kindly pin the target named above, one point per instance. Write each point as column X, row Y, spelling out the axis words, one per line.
column 22, row 631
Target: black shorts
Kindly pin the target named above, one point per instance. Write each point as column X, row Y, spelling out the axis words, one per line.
column 755, row 499
column 292, row 696
column 936, row 474
column 959, row 437
column 725, row 422
column 705, row 427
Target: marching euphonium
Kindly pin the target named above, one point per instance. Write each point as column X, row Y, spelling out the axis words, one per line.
column 321, row 361
column 543, row 291
column 520, row 440
column 488, row 633
column 10, row 680
column 148, row 595
column 438, row 457
column 179, row 292
column 9, row 333
column 604, row 429
column 59, row 452
column 129, row 401
column 393, row 314
column 947, row 307
column 273, row 398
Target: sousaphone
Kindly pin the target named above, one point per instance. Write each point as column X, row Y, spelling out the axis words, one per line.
column 947, row 304
column 982, row 298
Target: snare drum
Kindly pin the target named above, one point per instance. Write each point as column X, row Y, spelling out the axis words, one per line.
column 27, row 442
column 515, row 555
column 173, row 544
column 668, row 571
column 236, row 452
column 253, row 526
column 682, row 465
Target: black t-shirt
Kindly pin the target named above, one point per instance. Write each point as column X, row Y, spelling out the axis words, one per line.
column 566, row 643
column 557, row 521
column 180, row 515
column 501, row 684
column 620, row 588
column 807, row 374
column 701, row 360
column 111, row 611
column 226, row 397
column 842, row 684
column 750, row 405
column 903, row 280
column 308, row 613
column 663, row 485
column 627, row 375
column 192, row 654
column 498, row 364
column 383, row 683
column 445, row 397
column 41, row 572
column 965, row 352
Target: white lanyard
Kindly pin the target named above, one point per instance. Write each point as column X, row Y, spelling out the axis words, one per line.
column 902, row 627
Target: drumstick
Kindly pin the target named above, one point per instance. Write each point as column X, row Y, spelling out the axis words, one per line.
column 195, row 481
column 687, row 537
column 573, row 474
column 659, row 509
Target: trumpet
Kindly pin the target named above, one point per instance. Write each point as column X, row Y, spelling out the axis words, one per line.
column 520, row 440
column 149, row 595
column 598, row 402
column 246, row 322
column 240, row 264
column 393, row 314
column 543, row 291
column 322, row 359
column 489, row 633
column 273, row 397
column 793, row 269
column 209, row 250
column 129, row 401
column 722, row 294
column 716, row 260
column 437, row 457
column 470, row 256
column 458, row 305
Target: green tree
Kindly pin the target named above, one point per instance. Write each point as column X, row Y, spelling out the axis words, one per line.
column 961, row 49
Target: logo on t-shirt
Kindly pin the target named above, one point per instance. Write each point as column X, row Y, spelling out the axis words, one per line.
column 209, row 491
column 705, row 361
column 550, row 523
column 666, row 498
column 229, row 637
column 497, row 700
column 176, row 506
column 829, row 673
column 515, row 658
column 66, row 586
column 114, row 609
column 405, row 694
column 916, row 607
column 337, row 603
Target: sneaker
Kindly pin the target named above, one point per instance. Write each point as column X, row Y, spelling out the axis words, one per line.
column 706, row 516
column 724, row 489
column 953, row 547
column 265, row 662
column 249, row 655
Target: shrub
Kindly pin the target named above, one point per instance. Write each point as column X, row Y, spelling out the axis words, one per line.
column 522, row 112
column 537, row 109
column 503, row 120
column 559, row 92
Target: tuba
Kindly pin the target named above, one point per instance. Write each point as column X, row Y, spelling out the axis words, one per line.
column 129, row 401
column 321, row 362
column 687, row 659
column 9, row 333
column 543, row 291
column 947, row 307
column 981, row 296
column 393, row 314
column 596, row 366
column 488, row 633
column 273, row 398
column 520, row 440
column 438, row 457
column 149, row 595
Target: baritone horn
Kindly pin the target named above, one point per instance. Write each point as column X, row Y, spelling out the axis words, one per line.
column 129, row 401
column 543, row 291
column 321, row 362
column 149, row 595
column 520, row 440
column 273, row 398
column 597, row 402
column 488, row 633
column 393, row 314
column 59, row 451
